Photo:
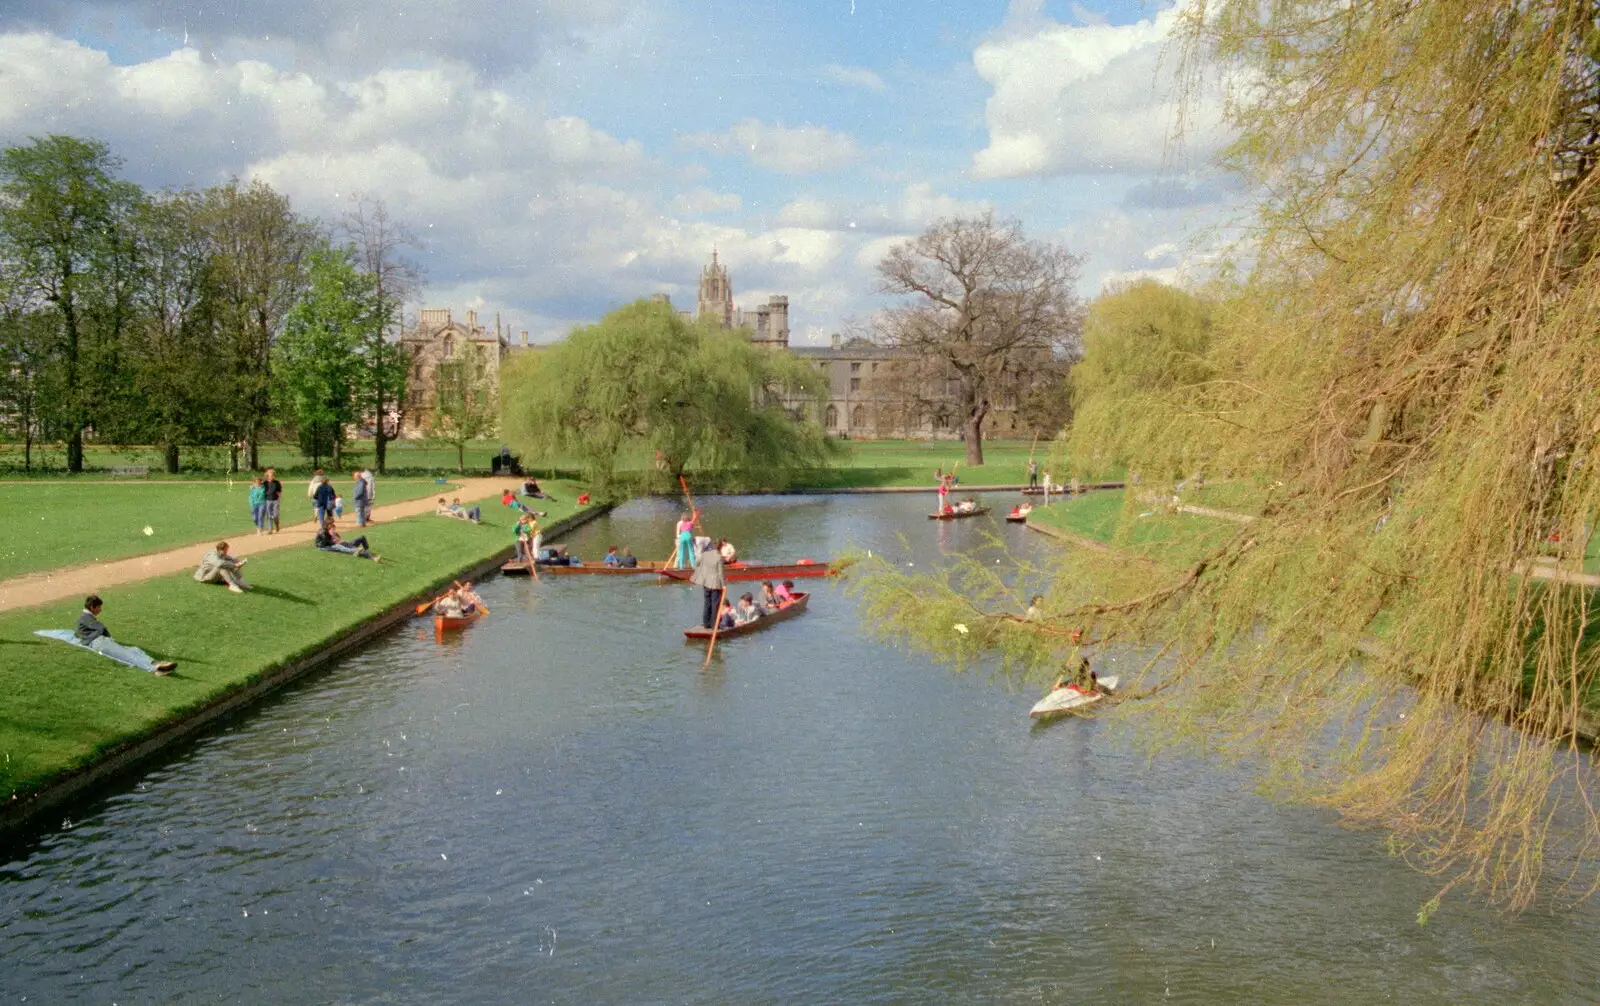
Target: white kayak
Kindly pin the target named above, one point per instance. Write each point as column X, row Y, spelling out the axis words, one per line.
column 1061, row 700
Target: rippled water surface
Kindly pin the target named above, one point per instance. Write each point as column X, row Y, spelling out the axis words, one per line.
column 562, row 806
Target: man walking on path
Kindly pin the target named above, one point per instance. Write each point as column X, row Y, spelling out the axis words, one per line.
column 98, row 638
column 362, row 497
column 272, row 493
column 708, row 577
column 1033, row 474
column 322, row 499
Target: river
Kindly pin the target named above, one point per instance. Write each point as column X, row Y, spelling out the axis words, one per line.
column 561, row 806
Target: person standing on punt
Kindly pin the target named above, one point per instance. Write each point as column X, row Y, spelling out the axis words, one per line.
column 708, row 577
column 684, row 558
column 1033, row 474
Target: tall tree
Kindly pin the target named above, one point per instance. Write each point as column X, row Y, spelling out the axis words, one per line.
column 261, row 249
column 176, row 379
column 64, row 220
column 465, row 405
column 27, row 369
column 983, row 303
column 644, row 378
column 379, row 242
column 315, row 357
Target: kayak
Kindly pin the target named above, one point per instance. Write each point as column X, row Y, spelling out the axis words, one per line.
column 1063, row 700
column 742, row 572
column 789, row 610
column 445, row 623
column 958, row 514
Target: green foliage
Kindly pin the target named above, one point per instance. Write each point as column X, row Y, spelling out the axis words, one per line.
column 465, row 405
column 316, row 356
column 702, row 397
column 1144, row 347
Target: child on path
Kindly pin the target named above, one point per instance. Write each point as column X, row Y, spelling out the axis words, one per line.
column 258, row 504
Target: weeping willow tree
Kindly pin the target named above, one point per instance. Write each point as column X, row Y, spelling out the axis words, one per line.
column 1411, row 363
column 644, row 383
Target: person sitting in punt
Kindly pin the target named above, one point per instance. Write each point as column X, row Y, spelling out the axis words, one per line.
column 726, row 619
column 747, row 610
column 769, row 596
column 1021, row 510
column 328, row 540
column 612, row 559
column 627, row 560
column 470, row 601
column 785, row 592
column 449, row 605
column 730, row 555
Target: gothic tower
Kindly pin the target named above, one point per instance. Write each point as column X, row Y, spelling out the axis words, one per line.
column 716, row 294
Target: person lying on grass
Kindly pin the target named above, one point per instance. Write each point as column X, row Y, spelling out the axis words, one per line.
column 98, row 638
column 328, row 540
column 220, row 567
column 456, row 510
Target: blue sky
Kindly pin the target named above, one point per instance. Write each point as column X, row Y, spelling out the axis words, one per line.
column 563, row 156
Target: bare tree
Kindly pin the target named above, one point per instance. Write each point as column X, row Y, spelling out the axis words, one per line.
column 990, row 313
column 378, row 240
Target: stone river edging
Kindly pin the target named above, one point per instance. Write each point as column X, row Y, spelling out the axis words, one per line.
column 869, row 490
column 134, row 752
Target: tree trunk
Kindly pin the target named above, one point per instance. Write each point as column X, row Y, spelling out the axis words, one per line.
column 976, row 409
column 75, row 450
column 461, row 457
column 233, row 458
column 254, row 450
column 380, row 447
column 172, row 458
column 338, row 452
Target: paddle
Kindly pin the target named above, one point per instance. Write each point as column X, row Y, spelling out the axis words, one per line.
column 716, row 623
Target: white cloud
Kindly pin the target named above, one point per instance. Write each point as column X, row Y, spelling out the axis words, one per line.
column 1090, row 98
column 853, row 76
column 917, row 206
column 697, row 201
column 796, row 150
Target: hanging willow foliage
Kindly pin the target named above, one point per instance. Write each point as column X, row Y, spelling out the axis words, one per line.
column 1412, row 364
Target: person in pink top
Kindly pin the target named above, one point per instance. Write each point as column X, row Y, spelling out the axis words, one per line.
column 683, row 559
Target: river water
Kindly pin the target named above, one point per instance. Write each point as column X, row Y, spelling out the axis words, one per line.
column 561, row 806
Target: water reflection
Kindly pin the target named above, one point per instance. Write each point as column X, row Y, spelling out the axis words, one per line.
column 562, row 803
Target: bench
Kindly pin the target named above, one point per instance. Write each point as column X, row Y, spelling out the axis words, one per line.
column 131, row 470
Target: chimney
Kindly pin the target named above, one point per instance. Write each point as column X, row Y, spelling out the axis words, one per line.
column 524, row 337
column 472, row 321
column 836, row 340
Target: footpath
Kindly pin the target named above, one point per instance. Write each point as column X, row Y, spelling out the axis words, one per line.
column 77, row 581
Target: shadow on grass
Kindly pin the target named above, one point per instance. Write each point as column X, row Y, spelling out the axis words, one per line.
column 280, row 595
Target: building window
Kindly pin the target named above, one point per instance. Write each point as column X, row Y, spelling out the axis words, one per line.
column 858, row 417
column 855, row 368
column 855, row 384
column 941, row 422
column 874, row 368
column 449, row 348
column 831, row 417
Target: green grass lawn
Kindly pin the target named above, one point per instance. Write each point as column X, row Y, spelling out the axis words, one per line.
column 912, row 463
column 64, row 706
column 1171, row 539
column 50, row 525
column 402, row 456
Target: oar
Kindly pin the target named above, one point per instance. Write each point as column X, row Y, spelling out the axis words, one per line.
column 716, row 623
column 422, row 608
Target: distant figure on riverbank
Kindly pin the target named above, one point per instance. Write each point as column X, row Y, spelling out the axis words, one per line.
column 1033, row 474
column 365, row 490
column 531, row 489
column 220, row 567
column 328, row 540
column 258, row 504
column 322, row 498
column 98, row 638
column 272, row 490
column 456, row 510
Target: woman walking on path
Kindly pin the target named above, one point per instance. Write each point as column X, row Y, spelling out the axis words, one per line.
column 683, row 558
column 258, row 504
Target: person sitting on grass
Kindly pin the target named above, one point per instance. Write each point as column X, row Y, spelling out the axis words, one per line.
column 98, row 638
column 627, row 560
column 328, row 540
column 220, row 567
column 531, row 489
column 456, row 510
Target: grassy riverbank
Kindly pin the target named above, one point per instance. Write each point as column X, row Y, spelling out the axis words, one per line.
column 1150, row 533
column 62, row 523
column 66, row 708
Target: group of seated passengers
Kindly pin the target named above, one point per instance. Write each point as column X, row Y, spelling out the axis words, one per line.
column 456, row 510
column 747, row 609
column 965, row 506
column 458, row 602
column 557, row 555
column 1022, row 510
column 624, row 561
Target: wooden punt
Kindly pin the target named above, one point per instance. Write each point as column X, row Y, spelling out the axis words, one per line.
column 1017, row 518
column 745, row 572
column 958, row 514
column 789, row 610
column 1055, row 490
column 445, row 623
column 517, row 567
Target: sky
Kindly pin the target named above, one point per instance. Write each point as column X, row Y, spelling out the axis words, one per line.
column 558, row 158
